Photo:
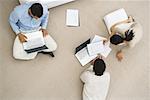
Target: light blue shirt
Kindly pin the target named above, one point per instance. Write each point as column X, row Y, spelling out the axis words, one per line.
column 21, row 21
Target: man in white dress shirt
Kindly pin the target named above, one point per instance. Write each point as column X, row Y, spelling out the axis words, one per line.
column 96, row 81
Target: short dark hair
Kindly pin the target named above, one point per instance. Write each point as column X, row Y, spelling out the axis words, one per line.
column 37, row 10
column 99, row 67
column 129, row 35
column 116, row 39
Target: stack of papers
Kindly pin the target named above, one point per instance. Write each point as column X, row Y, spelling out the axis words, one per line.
column 72, row 17
column 91, row 51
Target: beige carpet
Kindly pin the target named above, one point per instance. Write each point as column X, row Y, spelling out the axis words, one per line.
column 46, row 78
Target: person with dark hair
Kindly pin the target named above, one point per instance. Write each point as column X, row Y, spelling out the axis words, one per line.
column 96, row 81
column 125, row 33
column 28, row 18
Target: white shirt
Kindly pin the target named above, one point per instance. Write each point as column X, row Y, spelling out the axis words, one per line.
column 137, row 29
column 95, row 87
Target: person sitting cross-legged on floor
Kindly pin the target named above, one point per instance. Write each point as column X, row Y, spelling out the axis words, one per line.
column 96, row 81
column 27, row 18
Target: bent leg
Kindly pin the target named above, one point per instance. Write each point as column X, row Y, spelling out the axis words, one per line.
column 19, row 53
column 50, row 43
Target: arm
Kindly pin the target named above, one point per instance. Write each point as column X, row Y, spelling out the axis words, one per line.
column 13, row 19
column 119, row 54
column 112, row 29
column 84, row 76
column 45, row 21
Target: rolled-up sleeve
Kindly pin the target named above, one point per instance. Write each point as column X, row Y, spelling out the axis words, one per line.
column 13, row 19
column 45, row 20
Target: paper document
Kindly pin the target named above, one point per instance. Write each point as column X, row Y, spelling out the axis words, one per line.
column 104, row 50
column 95, row 48
column 72, row 17
column 34, row 40
column 98, row 39
column 90, row 52
column 84, row 57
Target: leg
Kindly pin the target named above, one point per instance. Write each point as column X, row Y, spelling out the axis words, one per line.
column 50, row 43
column 19, row 53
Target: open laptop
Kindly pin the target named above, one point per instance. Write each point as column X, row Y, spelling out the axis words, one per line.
column 82, row 54
column 83, row 45
column 35, row 42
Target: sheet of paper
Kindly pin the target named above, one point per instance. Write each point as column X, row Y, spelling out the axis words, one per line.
column 34, row 40
column 106, row 51
column 95, row 48
column 98, row 39
column 72, row 17
column 83, row 56
column 105, row 48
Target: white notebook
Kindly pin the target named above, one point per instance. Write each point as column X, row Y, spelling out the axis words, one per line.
column 84, row 57
column 115, row 17
column 34, row 40
column 97, row 46
column 72, row 17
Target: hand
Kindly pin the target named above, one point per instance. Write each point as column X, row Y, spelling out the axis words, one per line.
column 44, row 31
column 119, row 55
column 130, row 18
column 105, row 41
column 22, row 38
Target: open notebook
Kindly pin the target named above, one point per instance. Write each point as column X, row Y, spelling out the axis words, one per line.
column 115, row 17
column 35, row 42
column 97, row 46
column 85, row 55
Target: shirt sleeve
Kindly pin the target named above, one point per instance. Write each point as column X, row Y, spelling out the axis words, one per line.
column 85, row 76
column 45, row 20
column 13, row 19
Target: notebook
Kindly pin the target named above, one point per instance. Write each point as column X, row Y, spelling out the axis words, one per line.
column 82, row 54
column 97, row 46
column 72, row 17
column 115, row 17
column 84, row 57
column 35, row 42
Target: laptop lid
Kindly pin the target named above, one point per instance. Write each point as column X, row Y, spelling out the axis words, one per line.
column 81, row 46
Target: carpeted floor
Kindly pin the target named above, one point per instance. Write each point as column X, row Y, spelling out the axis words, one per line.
column 46, row 78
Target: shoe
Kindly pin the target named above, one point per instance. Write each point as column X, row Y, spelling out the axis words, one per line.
column 50, row 53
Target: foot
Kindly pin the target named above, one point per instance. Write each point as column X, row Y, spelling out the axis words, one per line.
column 50, row 53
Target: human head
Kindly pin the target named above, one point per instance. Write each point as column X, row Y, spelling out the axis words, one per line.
column 99, row 67
column 116, row 39
column 36, row 10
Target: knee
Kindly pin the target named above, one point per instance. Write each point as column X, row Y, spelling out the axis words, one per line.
column 54, row 46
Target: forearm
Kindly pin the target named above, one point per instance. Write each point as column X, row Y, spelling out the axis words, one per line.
column 15, row 27
column 112, row 29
